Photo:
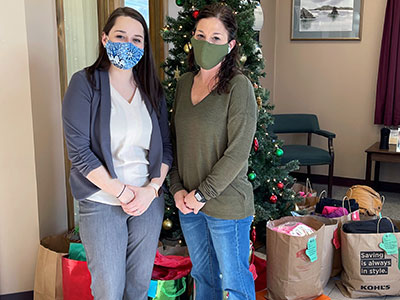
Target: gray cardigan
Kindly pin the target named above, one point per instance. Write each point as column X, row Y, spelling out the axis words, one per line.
column 86, row 118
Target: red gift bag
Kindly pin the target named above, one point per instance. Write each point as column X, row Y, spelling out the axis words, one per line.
column 261, row 270
column 76, row 280
column 171, row 267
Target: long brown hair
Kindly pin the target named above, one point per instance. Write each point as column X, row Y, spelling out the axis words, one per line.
column 144, row 72
column 229, row 66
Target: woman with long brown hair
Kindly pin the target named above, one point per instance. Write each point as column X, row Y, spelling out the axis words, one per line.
column 213, row 125
column 116, row 129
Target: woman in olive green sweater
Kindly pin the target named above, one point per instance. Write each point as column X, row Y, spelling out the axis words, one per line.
column 213, row 126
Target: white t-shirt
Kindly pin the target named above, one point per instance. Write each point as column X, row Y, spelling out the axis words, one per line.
column 130, row 132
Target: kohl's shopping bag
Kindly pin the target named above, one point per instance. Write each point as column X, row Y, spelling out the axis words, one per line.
column 353, row 215
column 337, row 256
column 331, row 225
column 76, row 275
column 371, row 264
column 294, row 262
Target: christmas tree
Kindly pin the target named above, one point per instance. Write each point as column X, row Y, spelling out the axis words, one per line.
column 271, row 181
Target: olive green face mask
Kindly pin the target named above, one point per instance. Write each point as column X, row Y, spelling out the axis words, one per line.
column 208, row 55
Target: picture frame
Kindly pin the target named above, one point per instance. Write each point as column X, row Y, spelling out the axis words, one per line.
column 326, row 20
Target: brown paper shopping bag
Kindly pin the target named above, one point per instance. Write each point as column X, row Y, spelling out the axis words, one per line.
column 48, row 273
column 368, row 269
column 337, row 258
column 328, row 251
column 291, row 274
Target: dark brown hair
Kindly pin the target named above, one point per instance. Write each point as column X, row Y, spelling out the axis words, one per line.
column 229, row 66
column 144, row 72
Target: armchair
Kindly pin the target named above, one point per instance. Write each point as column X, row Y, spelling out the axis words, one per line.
column 307, row 155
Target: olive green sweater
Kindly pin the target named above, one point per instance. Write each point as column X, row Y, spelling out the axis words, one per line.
column 212, row 142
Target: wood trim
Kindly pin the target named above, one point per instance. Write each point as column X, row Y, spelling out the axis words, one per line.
column 62, row 60
column 156, row 11
column 345, row 181
column 104, row 9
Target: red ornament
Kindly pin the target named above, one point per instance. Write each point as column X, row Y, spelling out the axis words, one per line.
column 280, row 185
column 273, row 199
column 195, row 14
column 256, row 146
column 253, row 234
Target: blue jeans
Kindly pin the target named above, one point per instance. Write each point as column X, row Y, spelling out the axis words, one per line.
column 218, row 246
column 120, row 248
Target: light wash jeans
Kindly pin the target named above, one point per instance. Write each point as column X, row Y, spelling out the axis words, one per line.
column 218, row 246
column 120, row 249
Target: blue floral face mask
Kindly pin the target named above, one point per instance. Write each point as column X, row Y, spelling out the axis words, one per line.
column 123, row 55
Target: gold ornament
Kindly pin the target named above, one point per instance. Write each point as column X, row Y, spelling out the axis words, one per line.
column 259, row 102
column 167, row 224
column 243, row 59
column 165, row 28
column 187, row 48
column 177, row 73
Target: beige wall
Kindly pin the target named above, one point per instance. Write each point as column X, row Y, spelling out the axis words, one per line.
column 33, row 201
column 46, row 109
column 19, row 226
column 334, row 79
column 267, row 39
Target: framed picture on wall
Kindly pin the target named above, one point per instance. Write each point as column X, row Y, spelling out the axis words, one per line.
column 326, row 19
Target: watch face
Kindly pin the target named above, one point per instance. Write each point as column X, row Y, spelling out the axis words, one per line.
column 199, row 197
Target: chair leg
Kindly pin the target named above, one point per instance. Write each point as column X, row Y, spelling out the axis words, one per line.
column 330, row 180
column 308, row 171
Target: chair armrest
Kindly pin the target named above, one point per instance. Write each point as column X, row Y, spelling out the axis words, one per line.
column 325, row 133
